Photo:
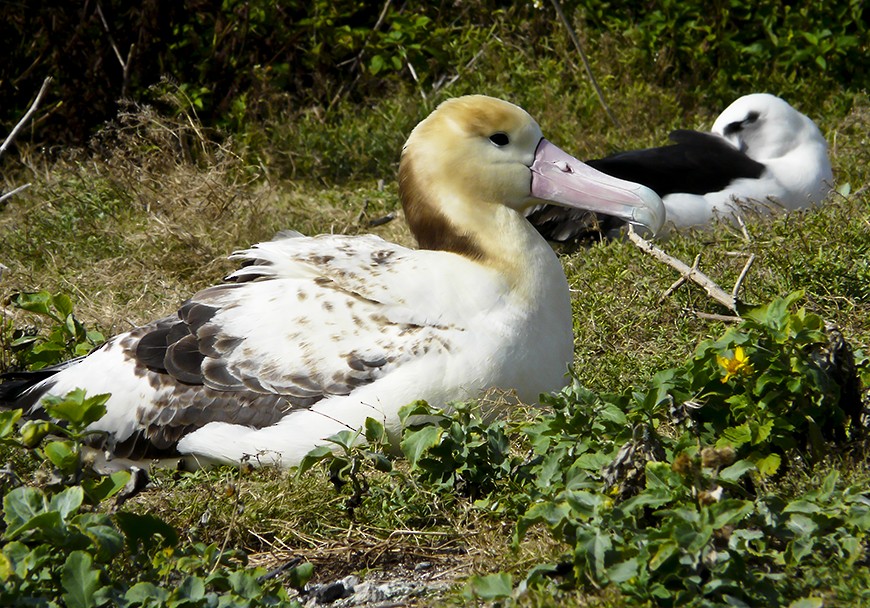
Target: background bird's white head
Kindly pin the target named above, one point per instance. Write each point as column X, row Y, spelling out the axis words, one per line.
column 765, row 127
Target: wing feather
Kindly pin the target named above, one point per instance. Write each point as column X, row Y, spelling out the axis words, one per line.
column 301, row 319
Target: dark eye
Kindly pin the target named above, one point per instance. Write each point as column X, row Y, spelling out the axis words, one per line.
column 751, row 117
column 500, row 139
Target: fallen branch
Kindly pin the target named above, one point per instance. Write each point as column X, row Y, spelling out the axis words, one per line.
column 11, row 137
column 14, row 191
column 692, row 273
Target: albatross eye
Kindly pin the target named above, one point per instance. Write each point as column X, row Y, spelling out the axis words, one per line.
column 499, row 139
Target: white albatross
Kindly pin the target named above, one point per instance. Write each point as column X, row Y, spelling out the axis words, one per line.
column 761, row 154
column 313, row 335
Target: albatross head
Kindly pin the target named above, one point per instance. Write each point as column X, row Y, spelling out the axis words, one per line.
column 476, row 156
column 765, row 127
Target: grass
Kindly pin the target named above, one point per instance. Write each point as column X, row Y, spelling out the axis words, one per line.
column 148, row 213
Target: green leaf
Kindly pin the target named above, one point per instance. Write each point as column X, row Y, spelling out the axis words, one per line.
column 299, row 575
column 146, row 593
column 8, row 421
column 623, row 571
column 38, row 302
column 415, row 443
column 801, row 525
column 801, row 505
column 768, row 465
column 829, row 484
column 79, row 580
column 244, row 584
column 7, row 569
column 596, row 544
column 68, row 501
column 729, row 511
column 660, row 475
column 152, row 532
column 191, row 588
column 313, row 457
column 75, row 408
column 62, row 455
column 34, row 431
column 662, row 554
column 492, row 587
column 108, row 542
column 63, row 304
column 737, row 435
column 380, row 462
column 736, row 470
column 21, row 505
column 374, row 430
column 98, row 490
column 807, row 602
column 377, row 64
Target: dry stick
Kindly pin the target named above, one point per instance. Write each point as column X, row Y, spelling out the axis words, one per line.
column 15, row 191
column 125, row 65
column 27, row 116
column 472, row 61
column 573, row 35
column 681, row 281
column 742, row 224
column 741, row 277
column 692, row 274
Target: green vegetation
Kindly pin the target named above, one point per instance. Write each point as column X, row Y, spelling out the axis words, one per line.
column 60, row 544
column 690, row 462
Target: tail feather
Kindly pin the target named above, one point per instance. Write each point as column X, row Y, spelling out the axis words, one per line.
column 16, row 387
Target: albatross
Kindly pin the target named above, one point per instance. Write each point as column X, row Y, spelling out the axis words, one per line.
column 761, row 154
column 312, row 335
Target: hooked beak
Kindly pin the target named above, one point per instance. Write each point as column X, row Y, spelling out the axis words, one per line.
column 558, row 177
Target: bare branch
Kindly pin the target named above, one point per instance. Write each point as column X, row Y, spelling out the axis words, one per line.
column 443, row 82
column 714, row 317
column 689, row 273
column 11, row 137
column 573, row 35
column 742, row 276
column 125, row 65
column 14, row 191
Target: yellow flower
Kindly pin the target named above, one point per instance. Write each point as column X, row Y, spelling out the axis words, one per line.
column 738, row 365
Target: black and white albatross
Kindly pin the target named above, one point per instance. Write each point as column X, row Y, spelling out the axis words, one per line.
column 313, row 335
column 760, row 154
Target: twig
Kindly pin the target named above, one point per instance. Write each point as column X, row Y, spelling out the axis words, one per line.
column 417, row 80
column 9, row 139
column 690, row 273
column 573, row 35
column 442, row 84
column 15, row 191
column 681, row 281
column 742, row 276
column 125, row 65
column 714, row 317
column 742, row 224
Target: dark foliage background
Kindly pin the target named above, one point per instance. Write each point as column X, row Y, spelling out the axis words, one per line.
column 233, row 57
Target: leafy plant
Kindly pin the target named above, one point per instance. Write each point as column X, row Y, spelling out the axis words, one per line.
column 67, row 337
column 455, row 448
column 348, row 459
column 59, row 548
column 656, row 491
